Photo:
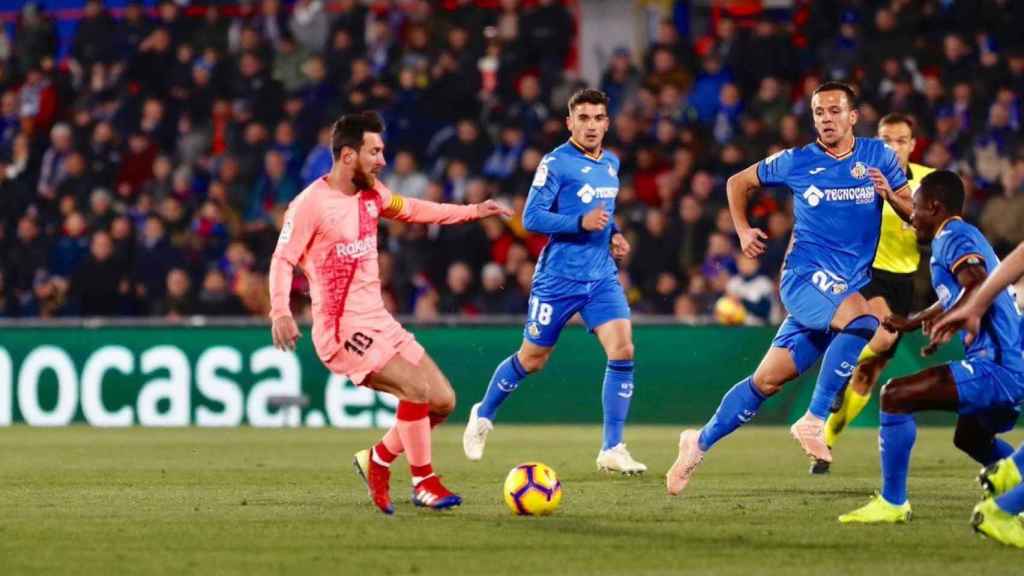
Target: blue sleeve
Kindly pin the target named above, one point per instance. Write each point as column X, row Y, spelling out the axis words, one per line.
column 890, row 167
column 537, row 215
column 960, row 248
column 773, row 170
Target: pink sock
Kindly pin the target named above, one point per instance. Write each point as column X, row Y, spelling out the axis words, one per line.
column 414, row 431
column 381, row 455
column 393, row 442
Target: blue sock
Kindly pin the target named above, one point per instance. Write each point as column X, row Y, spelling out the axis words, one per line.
column 504, row 382
column 896, row 437
column 1013, row 501
column 1001, row 449
column 618, row 390
column 1018, row 458
column 840, row 360
column 738, row 406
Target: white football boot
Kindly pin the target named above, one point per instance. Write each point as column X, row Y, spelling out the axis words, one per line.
column 618, row 459
column 474, row 439
column 690, row 456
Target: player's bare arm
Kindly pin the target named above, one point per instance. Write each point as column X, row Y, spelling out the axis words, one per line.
column 620, row 246
column 426, row 212
column 285, row 333
column 738, row 188
column 968, row 315
column 970, row 276
column 900, row 200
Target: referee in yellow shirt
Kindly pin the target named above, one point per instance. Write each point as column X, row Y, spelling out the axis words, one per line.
column 891, row 289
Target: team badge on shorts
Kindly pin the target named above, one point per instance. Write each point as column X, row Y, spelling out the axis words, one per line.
column 858, row 170
column 838, row 288
column 532, row 329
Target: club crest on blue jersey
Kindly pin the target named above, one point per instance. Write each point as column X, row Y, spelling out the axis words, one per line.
column 859, row 170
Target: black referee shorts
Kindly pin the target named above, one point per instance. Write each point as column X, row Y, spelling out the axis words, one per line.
column 896, row 289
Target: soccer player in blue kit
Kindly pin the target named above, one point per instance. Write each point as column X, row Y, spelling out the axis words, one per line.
column 838, row 211
column 985, row 389
column 572, row 200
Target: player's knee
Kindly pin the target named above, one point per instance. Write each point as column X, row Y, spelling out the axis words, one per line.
column 622, row 351
column 533, row 361
column 966, row 439
column 895, row 397
column 443, row 402
column 769, row 382
column 416, row 390
column 883, row 342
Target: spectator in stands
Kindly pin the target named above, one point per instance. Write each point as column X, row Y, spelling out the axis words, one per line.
column 154, row 257
column 319, row 160
column 754, row 289
column 493, row 298
column 274, row 190
column 215, row 299
column 100, row 283
column 176, row 115
column 405, row 178
column 71, row 248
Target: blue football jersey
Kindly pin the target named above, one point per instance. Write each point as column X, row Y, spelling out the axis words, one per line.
column 837, row 213
column 999, row 339
column 568, row 184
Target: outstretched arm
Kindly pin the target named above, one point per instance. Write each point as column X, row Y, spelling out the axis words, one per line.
column 404, row 209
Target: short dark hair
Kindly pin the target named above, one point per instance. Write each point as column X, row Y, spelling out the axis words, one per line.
column 588, row 96
column 898, row 118
column 833, row 86
column 946, row 188
column 350, row 128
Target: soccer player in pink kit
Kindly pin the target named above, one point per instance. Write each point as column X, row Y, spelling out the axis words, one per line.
column 330, row 230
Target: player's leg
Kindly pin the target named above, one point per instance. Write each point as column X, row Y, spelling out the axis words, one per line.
column 548, row 312
column 441, row 401
column 606, row 313
column 976, row 438
column 854, row 326
column 528, row 359
column 931, row 389
column 870, row 364
column 616, row 337
column 416, row 385
column 794, row 349
column 997, row 516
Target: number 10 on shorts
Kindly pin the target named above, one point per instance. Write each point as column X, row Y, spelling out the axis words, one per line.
column 540, row 312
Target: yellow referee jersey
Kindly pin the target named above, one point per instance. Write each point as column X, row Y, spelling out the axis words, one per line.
column 897, row 249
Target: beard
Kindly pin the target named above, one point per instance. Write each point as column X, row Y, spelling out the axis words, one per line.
column 363, row 180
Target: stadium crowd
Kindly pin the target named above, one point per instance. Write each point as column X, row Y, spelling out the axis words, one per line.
column 145, row 173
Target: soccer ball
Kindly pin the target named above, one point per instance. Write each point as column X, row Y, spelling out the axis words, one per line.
column 532, row 489
column 730, row 311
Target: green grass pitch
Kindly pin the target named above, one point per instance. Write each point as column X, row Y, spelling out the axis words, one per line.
column 248, row 501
